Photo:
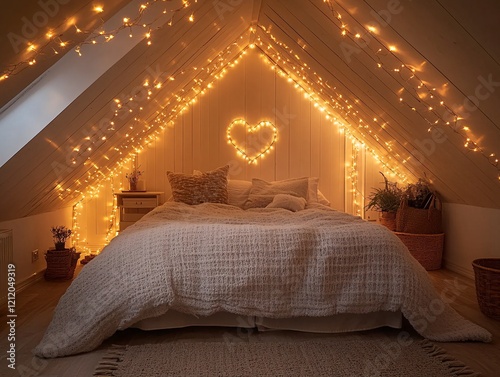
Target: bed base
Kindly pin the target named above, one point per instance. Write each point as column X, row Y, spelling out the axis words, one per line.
column 332, row 324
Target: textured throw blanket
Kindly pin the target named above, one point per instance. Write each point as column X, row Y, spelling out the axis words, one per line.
column 261, row 262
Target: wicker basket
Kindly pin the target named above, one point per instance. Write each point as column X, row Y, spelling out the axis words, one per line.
column 487, row 276
column 426, row 248
column 61, row 264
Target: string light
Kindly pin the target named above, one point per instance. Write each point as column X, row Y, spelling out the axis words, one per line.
column 353, row 178
column 243, row 152
column 92, row 37
column 345, row 113
column 417, row 88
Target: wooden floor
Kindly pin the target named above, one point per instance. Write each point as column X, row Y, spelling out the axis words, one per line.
column 35, row 304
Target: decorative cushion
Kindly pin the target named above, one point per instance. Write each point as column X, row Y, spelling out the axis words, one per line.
column 238, row 192
column 289, row 202
column 322, row 199
column 263, row 192
column 209, row 187
column 312, row 193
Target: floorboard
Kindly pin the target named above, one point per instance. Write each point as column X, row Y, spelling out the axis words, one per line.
column 35, row 305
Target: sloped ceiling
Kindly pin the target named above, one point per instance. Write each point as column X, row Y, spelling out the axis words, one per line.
column 450, row 59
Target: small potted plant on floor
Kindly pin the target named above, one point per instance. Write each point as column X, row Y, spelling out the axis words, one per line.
column 386, row 201
column 61, row 262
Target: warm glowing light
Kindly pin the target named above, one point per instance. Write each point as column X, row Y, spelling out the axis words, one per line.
column 98, row 9
column 241, row 151
column 191, row 18
column 392, row 48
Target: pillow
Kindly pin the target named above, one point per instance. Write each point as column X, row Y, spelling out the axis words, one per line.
column 262, row 192
column 238, row 192
column 322, row 199
column 289, row 202
column 312, row 193
column 209, row 187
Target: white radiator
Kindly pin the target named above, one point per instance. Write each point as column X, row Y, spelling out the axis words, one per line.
column 6, row 257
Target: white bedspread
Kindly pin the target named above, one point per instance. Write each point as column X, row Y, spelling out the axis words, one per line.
column 262, row 262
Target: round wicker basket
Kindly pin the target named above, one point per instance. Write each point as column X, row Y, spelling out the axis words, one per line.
column 487, row 276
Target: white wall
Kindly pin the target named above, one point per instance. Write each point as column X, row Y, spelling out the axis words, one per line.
column 308, row 145
column 32, row 233
column 470, row 233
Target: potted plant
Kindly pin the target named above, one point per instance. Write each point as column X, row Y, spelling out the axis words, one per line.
column 386, row 201
column 61, row 262
column 133, row 178
column 418, row 195
column 60, row 234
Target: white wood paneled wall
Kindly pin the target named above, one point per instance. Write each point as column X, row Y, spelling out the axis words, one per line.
column 308, row 144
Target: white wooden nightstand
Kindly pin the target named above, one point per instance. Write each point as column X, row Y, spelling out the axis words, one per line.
column 135, row 204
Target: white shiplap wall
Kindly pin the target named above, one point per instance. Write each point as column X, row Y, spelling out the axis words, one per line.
column 308, row 144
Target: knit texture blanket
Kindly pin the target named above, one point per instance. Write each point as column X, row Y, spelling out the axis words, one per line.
column 261, row 262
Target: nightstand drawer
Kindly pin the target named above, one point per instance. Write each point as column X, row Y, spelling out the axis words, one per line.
column 134, row 216
column 140, row 202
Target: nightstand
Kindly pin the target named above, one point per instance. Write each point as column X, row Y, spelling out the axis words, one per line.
column 135, row 204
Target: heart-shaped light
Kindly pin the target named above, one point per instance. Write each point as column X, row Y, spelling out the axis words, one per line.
column 264, row 146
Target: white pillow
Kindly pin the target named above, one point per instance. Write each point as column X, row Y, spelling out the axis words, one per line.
column 238, row 192
column 322, row 199
column 289, row 202
column 263, row 192
column 312, row 193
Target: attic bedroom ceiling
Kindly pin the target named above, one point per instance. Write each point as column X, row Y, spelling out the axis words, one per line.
column 416, row 82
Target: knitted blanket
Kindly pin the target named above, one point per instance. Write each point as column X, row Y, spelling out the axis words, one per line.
column 261, row 262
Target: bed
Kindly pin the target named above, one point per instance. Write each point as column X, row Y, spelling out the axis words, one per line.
column 266, row 267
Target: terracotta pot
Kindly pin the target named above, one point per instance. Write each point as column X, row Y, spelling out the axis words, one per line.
column 388, row 219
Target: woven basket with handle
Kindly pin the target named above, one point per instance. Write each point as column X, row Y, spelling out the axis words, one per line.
column 419, row 221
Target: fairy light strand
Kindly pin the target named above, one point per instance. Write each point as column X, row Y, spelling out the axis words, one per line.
column 243, row 152
column 435, row 107
column 56, row 43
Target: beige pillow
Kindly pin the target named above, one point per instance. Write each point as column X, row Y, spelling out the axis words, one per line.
column 263, row 192
column 289, row 202
column 322, row 199
column 209, row 187
column 238, row 192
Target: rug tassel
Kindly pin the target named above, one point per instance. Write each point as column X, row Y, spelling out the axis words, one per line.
column 111, row 361
column 455, row 367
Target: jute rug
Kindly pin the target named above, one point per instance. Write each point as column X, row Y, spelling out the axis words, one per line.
column 343, row 356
